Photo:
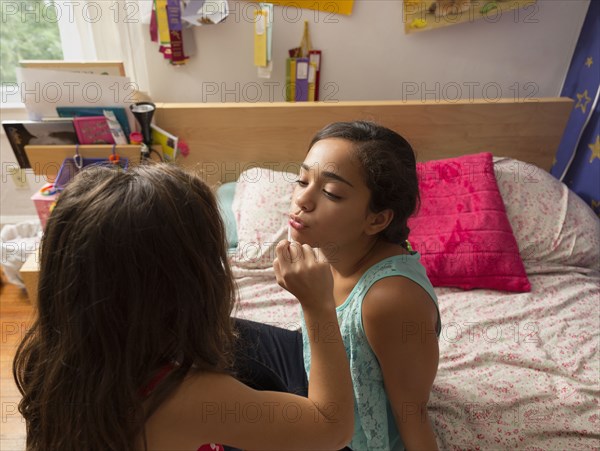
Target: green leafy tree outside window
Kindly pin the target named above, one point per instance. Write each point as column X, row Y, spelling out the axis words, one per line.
column 30, row 33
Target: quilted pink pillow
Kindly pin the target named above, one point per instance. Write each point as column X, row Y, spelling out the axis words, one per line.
column 461, row 229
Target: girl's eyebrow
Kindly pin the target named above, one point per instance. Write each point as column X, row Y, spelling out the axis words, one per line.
column 328, row 174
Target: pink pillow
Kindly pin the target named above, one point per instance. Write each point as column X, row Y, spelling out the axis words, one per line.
column 461, row 229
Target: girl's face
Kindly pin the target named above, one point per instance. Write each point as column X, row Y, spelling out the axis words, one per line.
column 330, row 202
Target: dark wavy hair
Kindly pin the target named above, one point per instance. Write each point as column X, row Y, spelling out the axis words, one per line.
column 134, row 276
column 389, row 167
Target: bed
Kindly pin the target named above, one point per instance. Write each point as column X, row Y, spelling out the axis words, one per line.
column 517, row 369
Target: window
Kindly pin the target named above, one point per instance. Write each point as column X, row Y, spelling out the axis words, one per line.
column 30, row 30
column 39, row 30
column 73, row 30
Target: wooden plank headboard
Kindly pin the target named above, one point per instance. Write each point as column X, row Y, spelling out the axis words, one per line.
column 226, row 138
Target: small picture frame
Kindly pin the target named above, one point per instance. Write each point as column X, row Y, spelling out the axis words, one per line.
column 113, row 68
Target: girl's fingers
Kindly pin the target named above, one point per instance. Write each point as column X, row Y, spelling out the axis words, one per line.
column 278, row 275
column 296, row 252
column 309, row 253
column 289, row 253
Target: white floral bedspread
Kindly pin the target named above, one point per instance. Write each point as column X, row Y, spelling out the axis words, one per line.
column 262, row 300
column 521, row 370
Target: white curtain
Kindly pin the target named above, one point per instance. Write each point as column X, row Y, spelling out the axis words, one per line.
column 107, row 30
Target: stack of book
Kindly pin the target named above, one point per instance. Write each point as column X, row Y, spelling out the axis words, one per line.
column 302, row 71
column 302, row 77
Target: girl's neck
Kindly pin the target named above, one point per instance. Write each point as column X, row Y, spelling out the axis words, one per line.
column 348, row 267
column 347, row 263
column 352, row 263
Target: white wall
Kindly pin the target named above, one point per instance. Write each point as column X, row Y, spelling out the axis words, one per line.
column 367, row 56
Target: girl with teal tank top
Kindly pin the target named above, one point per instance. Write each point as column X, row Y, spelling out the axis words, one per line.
column 375, row 428
column 356, row 189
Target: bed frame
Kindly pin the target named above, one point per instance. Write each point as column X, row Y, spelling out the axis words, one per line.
column 226, row 138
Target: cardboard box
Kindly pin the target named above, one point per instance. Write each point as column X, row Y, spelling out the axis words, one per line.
column 30, row 273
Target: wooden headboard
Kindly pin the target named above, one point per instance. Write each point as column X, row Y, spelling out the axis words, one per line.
column 226, row 138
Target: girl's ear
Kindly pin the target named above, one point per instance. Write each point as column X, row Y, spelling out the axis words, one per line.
column 376, row 222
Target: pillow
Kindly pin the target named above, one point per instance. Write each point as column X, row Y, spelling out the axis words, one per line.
column 461, row 229
column 225, row 194
column 550, row 222
column 261, row 205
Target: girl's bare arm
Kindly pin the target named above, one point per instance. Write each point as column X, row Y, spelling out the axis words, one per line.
column 401, row 332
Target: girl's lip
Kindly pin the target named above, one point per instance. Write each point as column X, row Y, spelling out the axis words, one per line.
column 296, row 223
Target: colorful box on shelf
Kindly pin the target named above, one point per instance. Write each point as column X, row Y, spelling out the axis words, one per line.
column 44, row 201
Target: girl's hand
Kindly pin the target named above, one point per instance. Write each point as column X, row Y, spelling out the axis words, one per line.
column 299, row 270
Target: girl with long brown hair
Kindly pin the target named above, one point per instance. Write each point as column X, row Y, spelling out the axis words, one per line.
column 132, row 345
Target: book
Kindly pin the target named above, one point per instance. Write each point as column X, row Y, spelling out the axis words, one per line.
column 302, row 65
column 84, row 111
column 93, row 130
column 167, row 141
column 290, row 80
column 23, row 133
column 115, row 128
column 315, row 57
column 312, row 76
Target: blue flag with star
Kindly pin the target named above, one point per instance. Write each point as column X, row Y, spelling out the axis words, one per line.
column 577, row 161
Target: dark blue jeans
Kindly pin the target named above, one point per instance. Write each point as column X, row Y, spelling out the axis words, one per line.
column 270, row 358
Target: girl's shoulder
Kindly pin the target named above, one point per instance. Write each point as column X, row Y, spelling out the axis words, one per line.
column 177, row 422
column 394, row 263
column 397, row 286
column 401, row 301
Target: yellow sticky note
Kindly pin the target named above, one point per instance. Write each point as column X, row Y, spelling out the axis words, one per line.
column 162, row 22
column 260, row 38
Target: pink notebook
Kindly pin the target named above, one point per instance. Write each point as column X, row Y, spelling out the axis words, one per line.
column 93, row 130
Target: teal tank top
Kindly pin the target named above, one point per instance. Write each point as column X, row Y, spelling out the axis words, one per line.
column 374, row 424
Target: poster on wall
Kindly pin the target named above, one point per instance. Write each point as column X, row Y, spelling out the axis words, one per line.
column 423, row 15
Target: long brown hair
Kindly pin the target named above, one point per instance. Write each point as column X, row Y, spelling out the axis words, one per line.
column 134, row 276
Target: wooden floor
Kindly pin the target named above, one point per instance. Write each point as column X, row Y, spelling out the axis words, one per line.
column 16, row 315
